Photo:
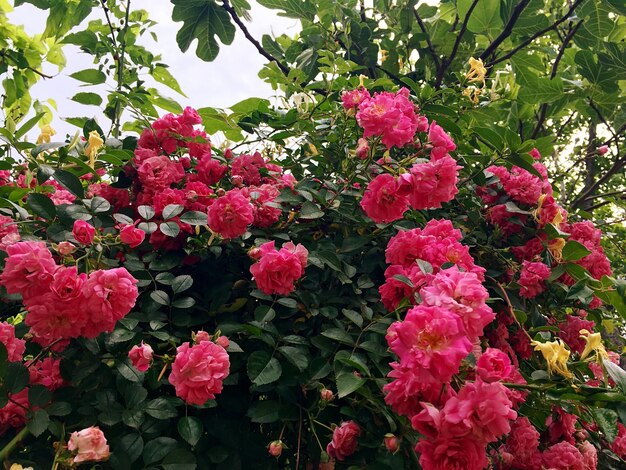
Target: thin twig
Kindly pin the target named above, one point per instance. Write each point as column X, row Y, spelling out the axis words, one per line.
column 514, row 51
column 429, row 43
column 508, row 29
column 233, row 14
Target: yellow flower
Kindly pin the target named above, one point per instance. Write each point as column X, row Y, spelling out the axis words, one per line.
column 555, row 247
column 594, row 343
column 556, row 356
column 477, row 71
column 17, row 466
column 94, row 144
column 46, row 132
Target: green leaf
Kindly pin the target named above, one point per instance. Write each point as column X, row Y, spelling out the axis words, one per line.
column 147, row 212
column 194, row 218
column 156, row 449
column 291, row 8
column 190, row 429
column 28, row 125
column 249, row 105
column 128, row 371
column 184, row 302
column 263, row 369
column 348, row 383
column 160, row 297
column 16, row 378
column 181, row 283
column 38, row 395
column 38, row 423
column 617, row 374
column 170, row 229
column 573, row 251
column 87, row 98
column 42, row 206
column 99, row 204
column 172, row 210
column 202, row 20
column 607, row 421
column 70, row 182
column 338, row 335
column 160, row 408
column 92, row 76
column 297, row 356
column 485, row 17
column 543, row 90
column 162, row 75
column 265, row 411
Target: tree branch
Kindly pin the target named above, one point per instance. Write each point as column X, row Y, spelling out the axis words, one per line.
column 455, row 48
column 555, row 66
column 431, row 48
column 514, row 51
column 508, row 29
column 233, row 14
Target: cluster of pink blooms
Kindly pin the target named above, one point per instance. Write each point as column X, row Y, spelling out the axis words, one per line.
column 276, row 271
column 88, row 445
column 198, row 371
column 57, row 193
column 427, row 184
column 62, row 303
column 174, row 164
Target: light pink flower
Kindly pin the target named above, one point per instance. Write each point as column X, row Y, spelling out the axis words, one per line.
column 278, row 270
column 141, row 356
column 198, row 371
column 344, row 441
column 89, row 444
column 563, row 456
column 353, row 98
column 442, row 143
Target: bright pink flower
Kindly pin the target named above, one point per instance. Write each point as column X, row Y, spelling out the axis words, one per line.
column 561, row 426
column 508, row 222
column 362, row 148
column 266, row 211
column 275, row 448
column 383, row 200
column 141, row 356
column 231, row 214
column 28, row 270
column 481, row 409
column 442, row 143
column 431, row 338
column 433, row 183
column 61, row 196
column 83, row 232
column 157, row 173
column 198, row 371
column 569, row 331
column 535, row 154
column 531, row 249
column 603, row 149
column 166, row 197
column 223, row 341
column 392, row 443
column 462, row 293
column 563, row 456
column 199, row 144
column 493, row 365
column 393, row 291
column 452, row 453
column 119, row 198
column 390, row 115
column 619, row 444
column 522, row 186
column 210, row 171
column 8, row 232
column 523, row 442
column 532, row 279
column 132, row 236
column 249, row 168
column 13, row 414
column 47, row 372
column 109, row 294
column 198, row 196
column 278, row 270
column 15, row 347
column 344, row 441
column 353, row 98
column 89, row 444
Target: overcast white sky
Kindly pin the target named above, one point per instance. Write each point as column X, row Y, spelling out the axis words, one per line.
column 232, row 77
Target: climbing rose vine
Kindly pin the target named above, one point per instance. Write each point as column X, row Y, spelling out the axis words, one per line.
column 362, row 294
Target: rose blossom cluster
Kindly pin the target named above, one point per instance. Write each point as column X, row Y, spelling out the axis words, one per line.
column 427, row 184
column 276, row 271
column 23, row 179
column 62, row 303
column 174, row 164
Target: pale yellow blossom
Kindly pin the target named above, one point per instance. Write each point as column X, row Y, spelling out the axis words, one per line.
column 46, row 132
column 555, row 247
column 17, row 466
column 94, row 144
column 556, row 355
column 594, row 344
column 477, row 71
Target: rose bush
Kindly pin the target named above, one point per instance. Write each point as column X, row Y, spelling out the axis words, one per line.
column 424, row 310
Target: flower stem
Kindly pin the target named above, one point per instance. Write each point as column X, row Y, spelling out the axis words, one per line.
column 7, row 449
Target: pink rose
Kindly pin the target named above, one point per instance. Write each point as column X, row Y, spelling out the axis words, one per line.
column 14, row 346
column 277, row 270
column 83, row 232
column 326, row 394
column 493, row 365
column 563, row 456
column 362, row 148
column 535, row 154
column 198, row 371
column 47, row 373
column 89, row 444
column 141, row 356
column 344, row 440
column 392, row 443
column 603, row 149
column 532, row 279
column 353, row 98
column 432, row 183
column 384, row 199
column 275, row 448
column 66, row 248
column 231, row 214
column 28, row 269
column 132, row 236
column 447, row 452
column 222, row 341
